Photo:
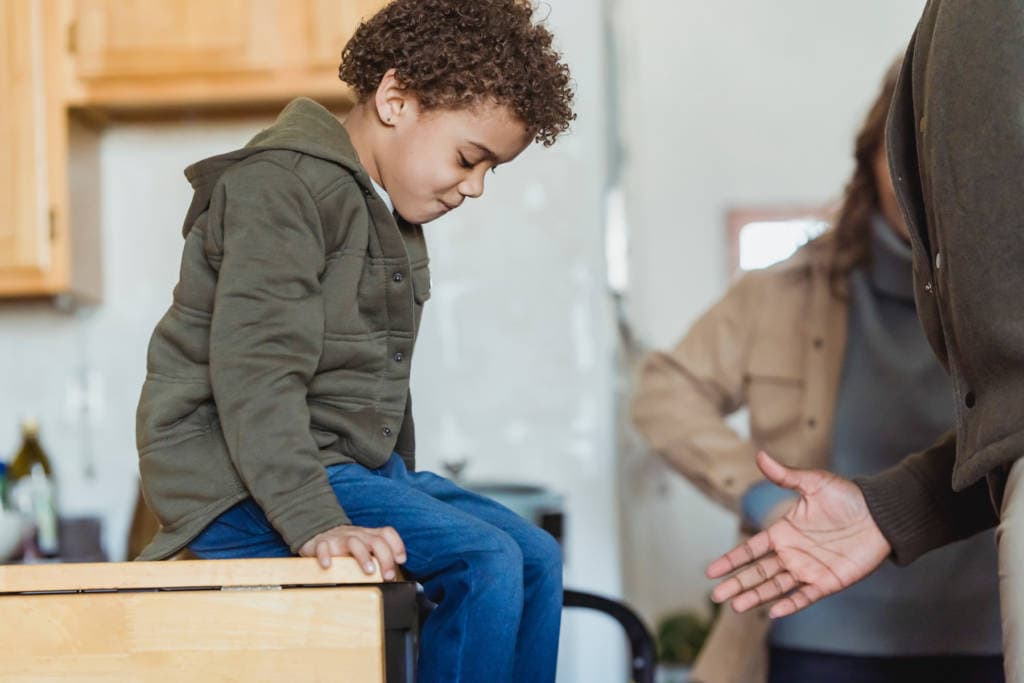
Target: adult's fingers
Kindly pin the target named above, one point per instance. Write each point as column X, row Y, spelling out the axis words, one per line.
column 747, row 552
column 795, row 602
column 780, row 584
column 806, row 482
column 747, row 579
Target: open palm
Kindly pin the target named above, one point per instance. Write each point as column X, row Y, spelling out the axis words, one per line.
column 824, row 543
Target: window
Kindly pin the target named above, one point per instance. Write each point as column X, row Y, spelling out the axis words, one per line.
column 759, row 238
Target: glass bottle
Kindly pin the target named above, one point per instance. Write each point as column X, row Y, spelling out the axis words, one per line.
column 32, row 489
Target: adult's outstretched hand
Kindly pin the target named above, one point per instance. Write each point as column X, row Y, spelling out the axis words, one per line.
column 825, row 543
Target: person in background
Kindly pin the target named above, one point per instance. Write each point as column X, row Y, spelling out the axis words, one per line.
column 276, row 416
column 955, row 141
column 826, row 352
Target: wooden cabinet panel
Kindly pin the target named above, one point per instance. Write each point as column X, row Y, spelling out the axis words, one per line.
column 138, row 55
column 24, row 239
column 38, row 255
column 329, row 25
column 237, row 620
column 112, row 39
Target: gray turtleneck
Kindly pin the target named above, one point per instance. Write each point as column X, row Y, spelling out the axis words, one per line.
column 894, row 399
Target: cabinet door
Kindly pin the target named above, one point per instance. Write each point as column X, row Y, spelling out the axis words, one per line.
column 330, row 23
column 118, row 39
column 24, row 222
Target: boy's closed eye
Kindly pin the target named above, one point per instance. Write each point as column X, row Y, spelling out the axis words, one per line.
column 467, row 164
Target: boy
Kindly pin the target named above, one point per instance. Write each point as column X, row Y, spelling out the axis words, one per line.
column 276, row 417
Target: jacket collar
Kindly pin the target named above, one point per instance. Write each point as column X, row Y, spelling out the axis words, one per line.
column 303, row 126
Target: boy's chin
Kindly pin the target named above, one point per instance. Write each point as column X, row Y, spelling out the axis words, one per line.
column 421, row 216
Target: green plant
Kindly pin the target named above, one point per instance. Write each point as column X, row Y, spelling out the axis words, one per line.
column 681, row 636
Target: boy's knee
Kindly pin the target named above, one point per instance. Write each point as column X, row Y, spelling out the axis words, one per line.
column 497, row 564
column 542, row 550
column 497, row 547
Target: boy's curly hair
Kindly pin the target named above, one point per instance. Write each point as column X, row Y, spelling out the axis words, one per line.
column 455, row 54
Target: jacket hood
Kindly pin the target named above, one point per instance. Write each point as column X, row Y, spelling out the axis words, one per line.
column 303, row 126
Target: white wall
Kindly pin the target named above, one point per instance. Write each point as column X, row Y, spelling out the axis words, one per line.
column 513, row 370
column 724, row 103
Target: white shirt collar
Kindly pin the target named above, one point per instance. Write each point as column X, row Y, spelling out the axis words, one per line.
column 382, row 193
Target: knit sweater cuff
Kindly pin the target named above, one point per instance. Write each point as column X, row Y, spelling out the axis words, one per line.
column 916, row 508
column 905, row 510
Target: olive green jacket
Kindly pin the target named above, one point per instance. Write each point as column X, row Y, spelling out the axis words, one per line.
column 956, row 148
column 288, row 344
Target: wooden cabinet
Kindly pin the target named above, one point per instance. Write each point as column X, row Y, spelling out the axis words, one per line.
column 154, row 54
column 37, row 252
column 67, row 62
column 283, row 619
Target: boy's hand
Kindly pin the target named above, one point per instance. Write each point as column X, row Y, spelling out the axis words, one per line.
column 362, row 543
column 821, row 545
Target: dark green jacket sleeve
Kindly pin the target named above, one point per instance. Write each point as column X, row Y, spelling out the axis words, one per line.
column 916, row 508
column 265, row 343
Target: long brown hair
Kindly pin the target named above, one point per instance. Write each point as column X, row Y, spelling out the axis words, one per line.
column 851, row 234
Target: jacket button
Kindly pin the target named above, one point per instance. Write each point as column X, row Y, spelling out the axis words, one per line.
column 928, row 287
column 969, row 399
column 819, row 342
column 386, row 431
column 812, row 423
column 397, row 277
column 399, row 357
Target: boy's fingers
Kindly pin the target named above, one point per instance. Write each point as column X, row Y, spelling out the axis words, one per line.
column 323, row 554
column 382, row 551
column 395, row 541
column 359, row 550
column 740, row 556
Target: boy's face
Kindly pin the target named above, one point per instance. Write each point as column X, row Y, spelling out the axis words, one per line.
column 432, row 161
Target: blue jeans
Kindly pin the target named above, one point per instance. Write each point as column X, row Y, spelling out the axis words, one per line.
column 496, row 578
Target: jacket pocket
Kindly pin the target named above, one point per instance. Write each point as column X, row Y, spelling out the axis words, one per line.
column 775, row 403
column 421, row 284
column 172, row 410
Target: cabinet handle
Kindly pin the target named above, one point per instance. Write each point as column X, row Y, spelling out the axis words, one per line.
column 73, row 37
column 53, row 224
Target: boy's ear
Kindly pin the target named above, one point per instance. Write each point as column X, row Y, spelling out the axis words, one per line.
column 391, row 99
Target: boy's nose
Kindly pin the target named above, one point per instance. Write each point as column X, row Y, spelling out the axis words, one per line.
column 472, row 186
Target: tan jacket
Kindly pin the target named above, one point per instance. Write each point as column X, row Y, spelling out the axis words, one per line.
column 773, row 344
